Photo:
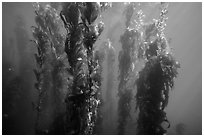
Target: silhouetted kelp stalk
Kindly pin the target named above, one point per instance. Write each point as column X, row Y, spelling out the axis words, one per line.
column 51, row 72
column 125, row 59
column 155, row 79
column 83, row 100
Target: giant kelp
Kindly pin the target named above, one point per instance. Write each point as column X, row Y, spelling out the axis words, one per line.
column 83, row 100
column 125, row 59
column 155, row 79
column 98, row 60
column 69, row 70
column 51, row 72
column 153, row 86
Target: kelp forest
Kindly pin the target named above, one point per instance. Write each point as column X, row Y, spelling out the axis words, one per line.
column 74, row 57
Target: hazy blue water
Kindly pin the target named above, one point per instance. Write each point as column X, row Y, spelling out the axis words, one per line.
column 184, row 27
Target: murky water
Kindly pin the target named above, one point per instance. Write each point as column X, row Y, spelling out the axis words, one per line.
column 183, row 30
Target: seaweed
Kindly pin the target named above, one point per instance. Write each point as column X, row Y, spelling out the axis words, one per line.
column 51, row 72
column 68, row 74
column 156, row 79
column 153, row 85
column 68, row 70
column 83, row 100
column 97, row 76
column 125, row 59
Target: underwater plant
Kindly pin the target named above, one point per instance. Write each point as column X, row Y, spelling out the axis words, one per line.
column 84, row 98
column 51, row 72
column 69, row 70
column 155, row 79
column 98, row 60
column 125, row 59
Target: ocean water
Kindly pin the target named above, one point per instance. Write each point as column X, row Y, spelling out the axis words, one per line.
column 183, row 30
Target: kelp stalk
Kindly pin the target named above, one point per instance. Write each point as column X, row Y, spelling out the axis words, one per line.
column 82, row 101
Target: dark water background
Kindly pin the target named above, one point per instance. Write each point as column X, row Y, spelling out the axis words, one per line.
column 184, row 28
